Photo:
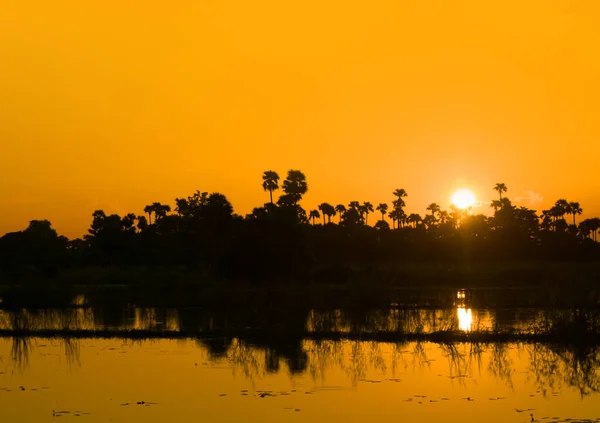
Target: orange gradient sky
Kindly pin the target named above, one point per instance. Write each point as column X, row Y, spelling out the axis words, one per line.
column 116, row 104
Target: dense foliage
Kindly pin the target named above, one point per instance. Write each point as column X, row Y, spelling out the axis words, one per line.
column 281, row 239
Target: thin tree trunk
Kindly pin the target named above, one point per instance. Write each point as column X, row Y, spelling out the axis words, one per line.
column 271, row 195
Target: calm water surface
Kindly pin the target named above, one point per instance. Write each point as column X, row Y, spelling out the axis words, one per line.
column 268, row 376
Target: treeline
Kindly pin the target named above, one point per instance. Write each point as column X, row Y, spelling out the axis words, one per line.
column 281, row 239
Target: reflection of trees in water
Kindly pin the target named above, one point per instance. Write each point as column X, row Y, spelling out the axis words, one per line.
column 216, row 347
column 19, row 352
column 554, row 366
column 22, row 347
column 500, row 363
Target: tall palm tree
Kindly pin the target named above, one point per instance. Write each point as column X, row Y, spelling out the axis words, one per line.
column 382, row 208
column 314, row 214
column 368, row 208
column 327, row 210
column 270, row 182
column 500, row 188
column 574, row 209
column 295, row 185
column 395, row 216
column 340, row 209
column 562, row 208
column 149, row 209
column 323, row 208
column 400, row 194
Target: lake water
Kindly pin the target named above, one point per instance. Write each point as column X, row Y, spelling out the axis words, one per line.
column 270, row 377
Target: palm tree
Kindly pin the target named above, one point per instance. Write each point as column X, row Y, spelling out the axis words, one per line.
column 433, row 208
column 314, row 214
column 395, row 216
column 270, row 182
column 562, row 207
column 295, row 185
column 500, row 188
column 149, row 209
column 142, row 223
column 327, row 210
column 160, row 210
column 414, row 218
column 584, row 229
column 400, row 193
column 382, row 208
column 340, row 209
column 574, row 209
column 367, row 208
column 429, row 221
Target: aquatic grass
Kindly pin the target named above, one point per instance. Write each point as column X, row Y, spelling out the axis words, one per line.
column 440, row 337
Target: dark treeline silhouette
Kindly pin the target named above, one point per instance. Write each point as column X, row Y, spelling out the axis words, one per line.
column 281, row 240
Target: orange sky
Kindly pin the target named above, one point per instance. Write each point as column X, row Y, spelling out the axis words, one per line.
column 118, row 104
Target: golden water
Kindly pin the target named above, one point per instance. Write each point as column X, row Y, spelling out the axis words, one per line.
column 102, row 380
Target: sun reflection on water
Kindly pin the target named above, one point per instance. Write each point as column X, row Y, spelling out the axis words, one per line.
column 465, row 315
column 465, row 318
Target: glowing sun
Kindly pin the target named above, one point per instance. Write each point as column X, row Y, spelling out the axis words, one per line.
column 463, row 199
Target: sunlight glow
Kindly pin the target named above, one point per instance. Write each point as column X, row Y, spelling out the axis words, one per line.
column 463, row 199
column 465, row 319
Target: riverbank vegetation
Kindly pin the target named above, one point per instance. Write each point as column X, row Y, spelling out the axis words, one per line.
column 201, row 239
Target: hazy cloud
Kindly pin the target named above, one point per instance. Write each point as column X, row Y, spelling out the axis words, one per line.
column 531, row 197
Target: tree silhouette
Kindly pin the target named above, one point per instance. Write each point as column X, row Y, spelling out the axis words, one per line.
column 433, row 208
column 314, row 214
column 340, row 209
column 142, row 223
column 270, row 182
column 367, row 208
column 327, row 210
column 382, row 208
column 415, row 219
column 500, row 188
column 148, row 209
column 395, row 215
column 382, row 225
column 574, row 209
column 295, row 185
column 160, row 210
column 400, row 194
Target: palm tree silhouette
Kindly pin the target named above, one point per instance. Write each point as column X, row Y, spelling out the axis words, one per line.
column 149, row 209
column 400, row 193
column 574, row 209
column 367, row 208
column 395, row 216
column 414, row 218
column 270, row 182
column 160, row 210
column 500, row 188
column 340, row 209
column 382, row 208
column 295, row 185
column 433, row 208
column 326, row 210
column 561, row 208
column 314, row 214
column 142, row 223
